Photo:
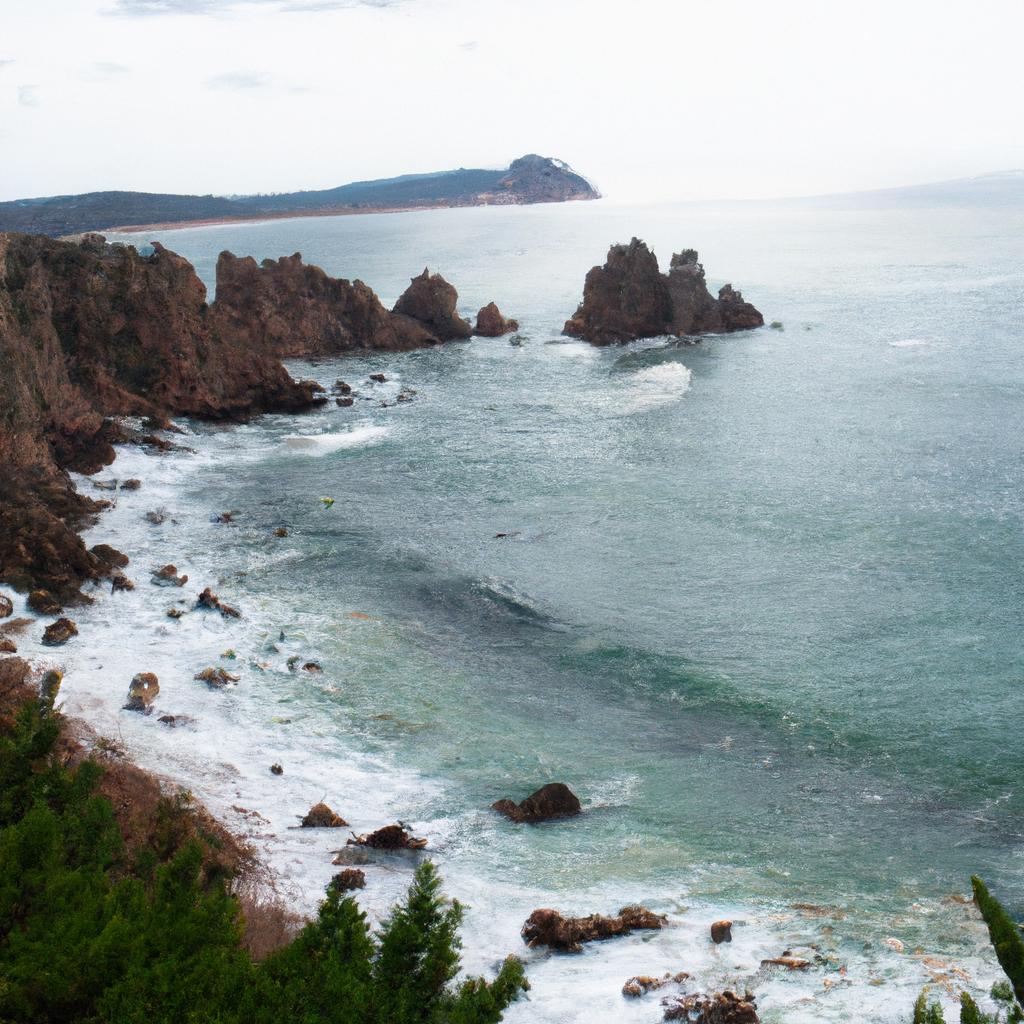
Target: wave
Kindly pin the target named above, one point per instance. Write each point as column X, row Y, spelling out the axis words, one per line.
column 326, row 444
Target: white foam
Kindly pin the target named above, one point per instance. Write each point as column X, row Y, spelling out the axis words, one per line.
column 656, row 385
column 325, row 444
column 910, row 343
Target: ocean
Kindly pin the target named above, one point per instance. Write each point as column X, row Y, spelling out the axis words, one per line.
column 759, row 602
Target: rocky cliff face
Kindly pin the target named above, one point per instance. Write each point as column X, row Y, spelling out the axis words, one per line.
column 90, row 332
column 542, row 179
column 629, row 298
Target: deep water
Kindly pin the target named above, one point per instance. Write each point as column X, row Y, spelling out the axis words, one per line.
column 760, row 605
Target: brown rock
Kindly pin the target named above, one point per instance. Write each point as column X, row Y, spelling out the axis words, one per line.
column 120, row 582
column 555, row 800
column 216, row 677
column 175, row 613
column 208, row 599
column 720, row 1008
column 276, row 769
column 491, row 324
column 167, row 576
column 431, row 301
column 629, row 298
column 347, row 880
column 59, row 632
column 791, row 963
column 6, row 606
column 390, row 837
column 142, row 692
column 344, row 402
column 110, row 557
column 644, row 983
column 721, row 931
column 312, row 666
column 281, row 531
column 549, row 928
column 157, row 517
column 131, row 485
column 321, row 816
column 378, row 378
column 8, row 646
column 43, row 602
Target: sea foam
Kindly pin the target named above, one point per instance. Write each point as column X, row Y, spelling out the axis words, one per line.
column 326, row 444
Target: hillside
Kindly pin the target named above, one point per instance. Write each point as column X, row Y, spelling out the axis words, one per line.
column 530, row 179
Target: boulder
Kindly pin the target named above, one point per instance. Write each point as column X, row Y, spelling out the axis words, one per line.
column 8, row 646
column 719, row 1008
column 276, row 769
column 641, row 984
column 142, row 692
column 347, row 880
column 491, row 324
column 216, row 677
column 555, row 800
column 721, row 931
column 110, row 557
column 209, row 600
column 59, row 632
column 629, row 298
column 281, row 531
column 390, row 837
column 131, row 485
column 44, row 603
column 120, row 582
column 431, row 300
column 546, row 927
column 157, row 517
column 167, row 576
column 6, row 607
column 321, row 816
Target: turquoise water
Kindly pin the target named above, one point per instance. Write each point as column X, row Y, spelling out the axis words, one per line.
column 762, row 603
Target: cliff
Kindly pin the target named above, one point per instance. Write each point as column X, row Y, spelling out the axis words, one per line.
column 629, row 298
column 530, row 179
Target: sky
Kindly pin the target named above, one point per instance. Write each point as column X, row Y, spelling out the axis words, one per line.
column 651, row 100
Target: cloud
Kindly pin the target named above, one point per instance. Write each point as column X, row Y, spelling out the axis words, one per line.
column 240, row 80
column 147, row 8
column 28, row 95
column 102, row 70
column 4, row 63
column 469, row 46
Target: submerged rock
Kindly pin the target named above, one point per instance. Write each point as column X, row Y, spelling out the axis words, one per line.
column 547, row 927
column 629, row 298
column 720, row 1008
column 347, row 880
column 321, row 816
column 555, row 800
column 59, row 632
column 142, row 692
column 491, row 324
column 390, row 837
column 120, row 582
column 431, row 301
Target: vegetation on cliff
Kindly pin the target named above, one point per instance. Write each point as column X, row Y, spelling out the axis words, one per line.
column 96, row 929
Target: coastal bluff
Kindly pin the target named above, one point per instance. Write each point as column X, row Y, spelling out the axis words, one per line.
column 92, row 333
column 629, row 298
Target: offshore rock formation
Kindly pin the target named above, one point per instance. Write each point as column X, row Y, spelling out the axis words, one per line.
column 491, row 324
column 555, row 800
column 431, row 300
column 549, row 928
column 629, row 298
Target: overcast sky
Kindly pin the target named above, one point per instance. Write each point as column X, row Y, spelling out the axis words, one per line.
column 651, row 99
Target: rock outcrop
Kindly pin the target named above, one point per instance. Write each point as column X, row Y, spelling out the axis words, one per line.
column 549, row 928
column 629, row 298
column 321, row 816
column 555, row 800
column 390, row 837
column 431, row 301
column 90, row 332
column 491, row 324
column 720, row 1008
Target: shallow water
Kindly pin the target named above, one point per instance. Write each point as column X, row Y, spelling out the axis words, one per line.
column 760, row 602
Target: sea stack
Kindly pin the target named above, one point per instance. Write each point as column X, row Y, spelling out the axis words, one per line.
column 629, row 298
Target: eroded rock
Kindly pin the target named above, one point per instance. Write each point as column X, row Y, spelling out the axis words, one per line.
column 6, row 607
column 432, row 301
column 321, row 816
column 641, row 984
column 209, row 600
column 216, row 677
column 390, row 837
column 629, row 298
column 59, row 632
column 167, row 576
column 491, row 324
column 8, row 646
column 347, row 880
column 555, row 800
column 44, row 603
column 142, row 692
column 547, row 927
column 721, row 931
column 720, row 1008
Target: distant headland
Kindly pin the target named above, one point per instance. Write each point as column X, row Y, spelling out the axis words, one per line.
column 530, row 179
